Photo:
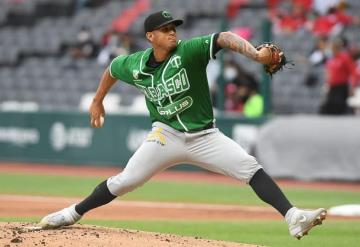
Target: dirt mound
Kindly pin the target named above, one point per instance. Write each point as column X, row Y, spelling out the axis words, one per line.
column 19, row 234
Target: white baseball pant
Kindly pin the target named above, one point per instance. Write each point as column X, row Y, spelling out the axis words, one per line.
column 165, row 147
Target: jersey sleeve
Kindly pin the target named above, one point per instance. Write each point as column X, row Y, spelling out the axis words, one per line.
column 201, row 47
column 120, row 68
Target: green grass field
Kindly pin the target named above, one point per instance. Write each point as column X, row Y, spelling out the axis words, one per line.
column 268, row 233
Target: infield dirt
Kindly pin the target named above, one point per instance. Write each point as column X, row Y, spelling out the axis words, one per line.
column 16, row 234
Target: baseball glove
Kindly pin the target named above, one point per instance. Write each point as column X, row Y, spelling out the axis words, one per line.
column 276, row 58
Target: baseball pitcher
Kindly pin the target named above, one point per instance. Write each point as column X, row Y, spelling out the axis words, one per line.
column 172, row 76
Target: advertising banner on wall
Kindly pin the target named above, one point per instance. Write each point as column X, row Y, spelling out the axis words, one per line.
column 67, row 138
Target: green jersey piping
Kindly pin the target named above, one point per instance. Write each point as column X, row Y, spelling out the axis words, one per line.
column 211, row 46
column 109, row 68
column 142, row 72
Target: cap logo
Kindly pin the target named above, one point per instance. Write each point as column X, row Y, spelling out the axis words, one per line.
column 166, row 14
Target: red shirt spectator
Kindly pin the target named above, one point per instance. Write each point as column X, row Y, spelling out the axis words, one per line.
column 343, row 18
column 234, row 6
column 292, row 21
column 324, row 24
column 341, row 69
column 273, row 3
column 307, row 4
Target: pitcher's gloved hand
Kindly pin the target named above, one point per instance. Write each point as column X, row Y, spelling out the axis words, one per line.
column 272, row 57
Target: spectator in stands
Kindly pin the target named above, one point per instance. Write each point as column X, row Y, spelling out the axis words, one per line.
column 340, row 73
column 232, row 99
column 318, row 56
column 231, row 74
column 333, row 22
column 240, row 86
column 233, row 7
column 292, row 21
column 288, row 15
column 85, row 47
column 306, row 4
column 329, row 16
column 115, row 44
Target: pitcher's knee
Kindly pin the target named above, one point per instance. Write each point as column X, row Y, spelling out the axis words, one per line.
column 246, row 168
column 252, row 169
column 122, row 184
column 249, row 159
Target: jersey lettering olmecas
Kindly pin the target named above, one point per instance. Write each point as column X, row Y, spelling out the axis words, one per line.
column 177, row 91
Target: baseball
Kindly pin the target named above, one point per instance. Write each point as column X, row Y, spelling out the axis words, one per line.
column 99, row 122
column 264, row 56
column 102, row 119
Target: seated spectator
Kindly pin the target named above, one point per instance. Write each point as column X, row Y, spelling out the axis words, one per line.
column 232, row 100
column 316, row 58
column 333, row 22
column 272, row 4
column 115, row 44
column 290, row 20
column 231, row 73
column 322, row 25
column 306, row 4
column 318, row 54
column 85, row 47
column 233, row 7
column 241, row 91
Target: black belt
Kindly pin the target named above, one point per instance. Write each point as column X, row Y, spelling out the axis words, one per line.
column 210, row 125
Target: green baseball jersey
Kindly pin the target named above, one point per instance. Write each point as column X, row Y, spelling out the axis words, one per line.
column 177, row 91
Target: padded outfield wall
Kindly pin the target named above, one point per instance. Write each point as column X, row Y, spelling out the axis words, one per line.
column 310, row 147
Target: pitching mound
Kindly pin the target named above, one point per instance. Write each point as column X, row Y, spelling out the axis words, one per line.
column 19, row 234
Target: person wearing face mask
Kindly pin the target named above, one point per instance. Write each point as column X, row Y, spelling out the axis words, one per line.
column 232, row 100
column 242, row 91
column 230, row 72
column 340, row 71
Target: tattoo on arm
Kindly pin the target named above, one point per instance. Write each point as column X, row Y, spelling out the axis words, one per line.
column 236, row 43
